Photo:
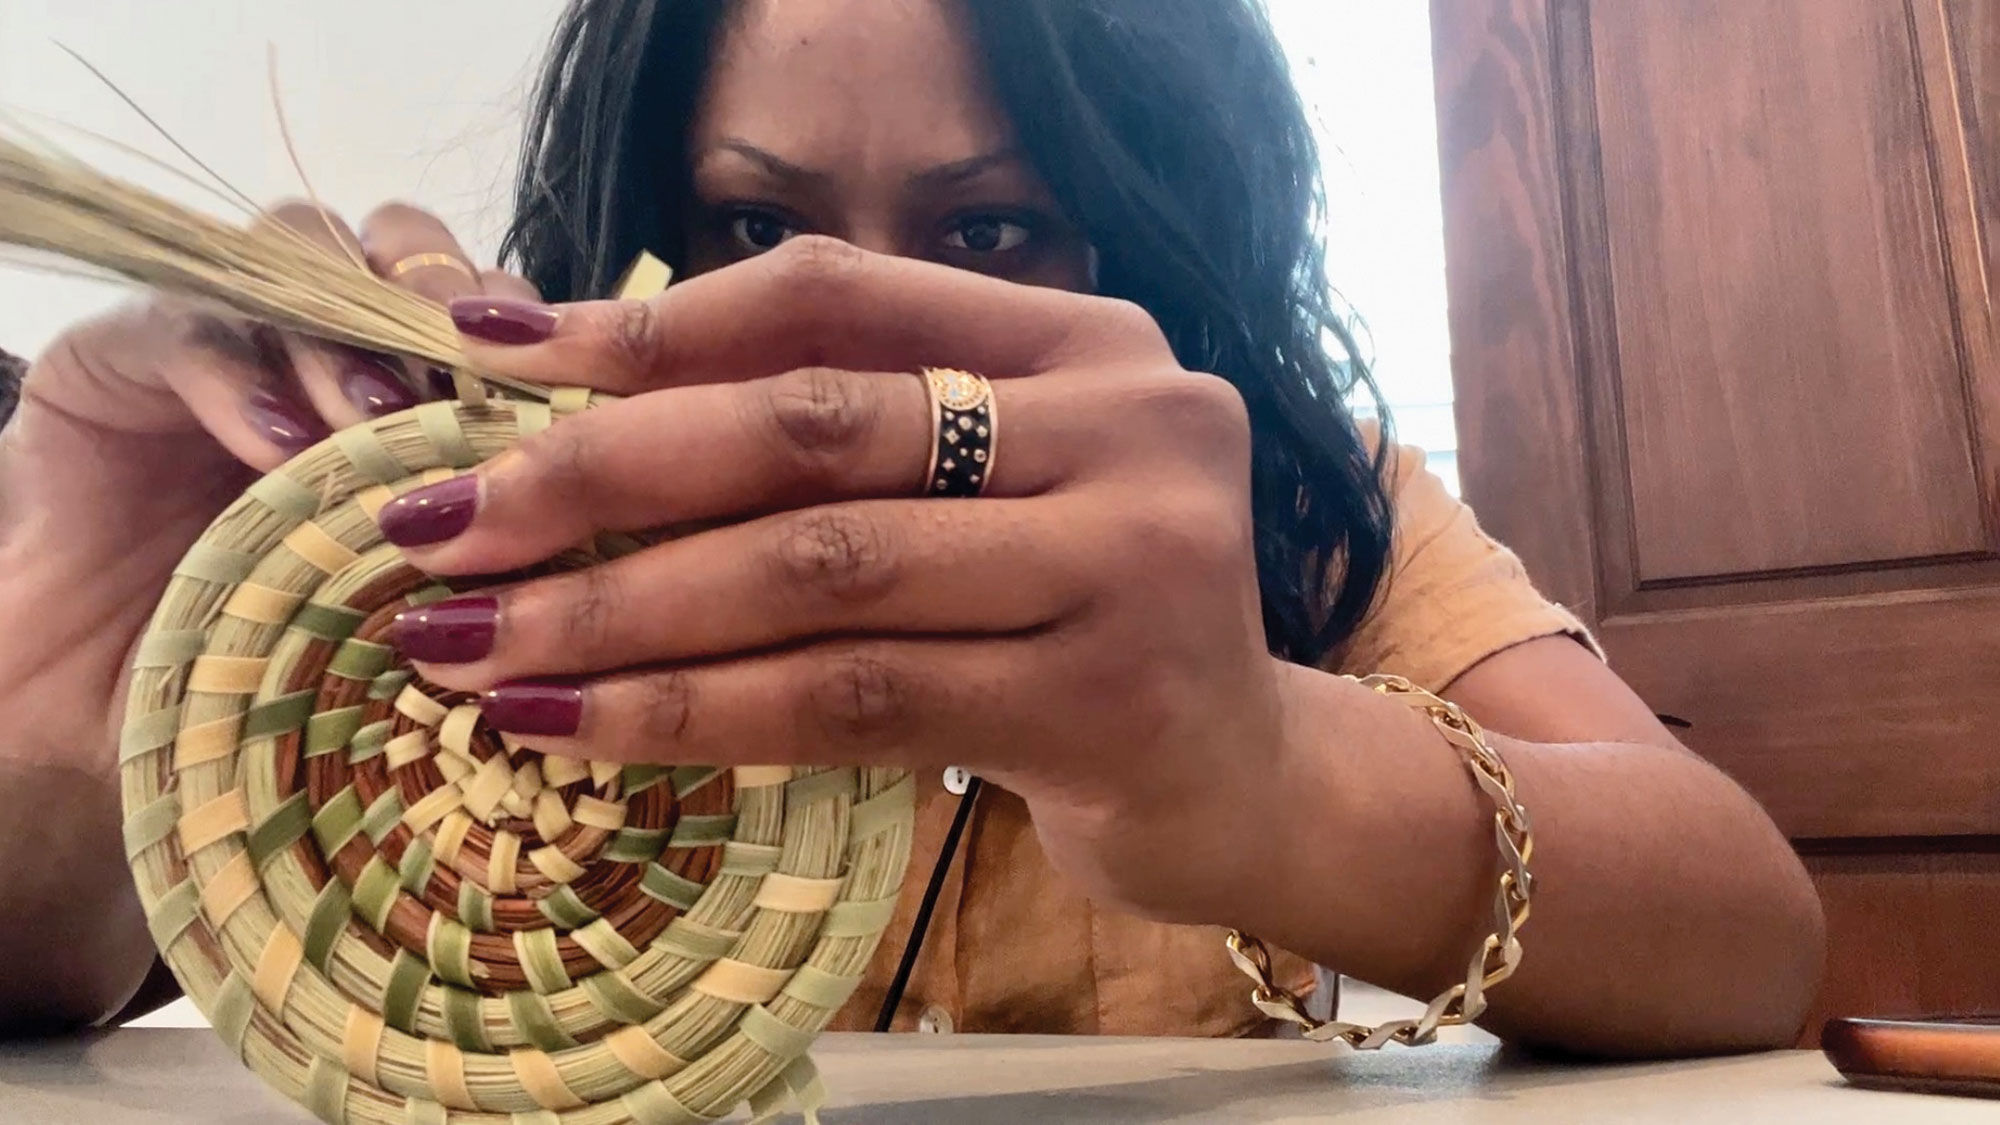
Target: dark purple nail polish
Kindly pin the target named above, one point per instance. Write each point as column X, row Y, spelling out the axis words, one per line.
column 441, row 383
column 373, row 385
column 550, row 708
column 503, row 320
column 453, row 631
column 282, row 422
column 431, row 514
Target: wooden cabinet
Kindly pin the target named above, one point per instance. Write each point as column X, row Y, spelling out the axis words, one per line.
column 1727, row 373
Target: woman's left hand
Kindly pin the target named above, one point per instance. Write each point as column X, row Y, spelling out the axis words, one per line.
column 1087, row 634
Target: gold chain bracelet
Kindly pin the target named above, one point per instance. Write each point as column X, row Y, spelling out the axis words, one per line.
column 1498, row 955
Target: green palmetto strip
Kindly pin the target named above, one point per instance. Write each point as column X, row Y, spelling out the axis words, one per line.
column 821, row 989
column 823, row 786
column 638, row 779
column 618, row 999
column 325, row 1089
column 541, row 960
column 450, row 951
column 671, row 888
column 328, row 732
column 752, row 860
column 369, row 741
column 762, row 1027
column 375, row 892
column 330, row 913
column 282, row 715
column 329, row 623
column 702, row 831
column 208, row 563
column 463, row 1023
column 337, row 821
column 536, row 1021
column 390, row 684
column 564, row 908
column 285, row 497
column 382, row 815
column 415, row 869
column 695, row 941
column 369, row 456
column 475, row 906
column 403, row 990
column 287, row 825
column 360, row 660
column 855, row 919
column 635, row 845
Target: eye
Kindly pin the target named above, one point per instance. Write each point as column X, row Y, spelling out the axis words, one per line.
column 988, row 234
column 757, row 231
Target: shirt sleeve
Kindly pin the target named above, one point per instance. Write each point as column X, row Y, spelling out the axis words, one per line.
column 1452, row 596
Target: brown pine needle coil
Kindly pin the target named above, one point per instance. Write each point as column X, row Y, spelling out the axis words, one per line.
column 391, row 914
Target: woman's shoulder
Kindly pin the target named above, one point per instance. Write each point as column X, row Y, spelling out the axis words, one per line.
column 1453, row 595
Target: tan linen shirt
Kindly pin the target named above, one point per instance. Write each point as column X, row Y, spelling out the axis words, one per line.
column 1013, row 947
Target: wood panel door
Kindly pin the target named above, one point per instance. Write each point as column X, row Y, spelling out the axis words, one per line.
column 1726, row 367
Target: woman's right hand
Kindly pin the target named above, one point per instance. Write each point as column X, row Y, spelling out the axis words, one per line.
column 133, row 431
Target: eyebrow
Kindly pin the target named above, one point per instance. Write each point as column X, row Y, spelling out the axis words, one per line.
column 959, row 171
column 944, row 175
column 770, row 162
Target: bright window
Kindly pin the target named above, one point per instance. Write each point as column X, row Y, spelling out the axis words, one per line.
column 1365, row 69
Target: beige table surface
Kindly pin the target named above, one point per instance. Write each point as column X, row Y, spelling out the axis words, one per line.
column 171, row 1077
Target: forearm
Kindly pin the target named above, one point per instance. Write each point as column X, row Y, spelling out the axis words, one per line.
column 74, row 947
column 1669, row 914
column 73, row 944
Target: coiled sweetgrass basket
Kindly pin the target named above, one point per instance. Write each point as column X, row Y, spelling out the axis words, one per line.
column 392, row 915
column 396, row 917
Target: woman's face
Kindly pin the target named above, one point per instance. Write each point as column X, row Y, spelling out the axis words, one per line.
column 869, row 121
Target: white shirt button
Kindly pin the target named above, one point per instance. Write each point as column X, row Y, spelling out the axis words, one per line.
column 957, row 780
column 934, row 1021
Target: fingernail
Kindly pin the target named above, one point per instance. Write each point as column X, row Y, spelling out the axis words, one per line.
column 282, row 422
column 453, row 631
column 442, row 384
column 372, row 385
column 431, row 514
column 503, row 320
column 550, row 708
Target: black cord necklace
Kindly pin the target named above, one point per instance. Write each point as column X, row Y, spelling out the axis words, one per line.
column 922, row 925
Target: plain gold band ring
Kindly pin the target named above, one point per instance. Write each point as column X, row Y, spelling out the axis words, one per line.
column 426, row 261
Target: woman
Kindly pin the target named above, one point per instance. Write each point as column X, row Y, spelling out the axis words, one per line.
column 1132, row 636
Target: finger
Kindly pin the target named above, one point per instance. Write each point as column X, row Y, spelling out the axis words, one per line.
column 915, row 703
column 813, row 302
column 500, row 283
column 907, row 567
column 723, row 451
column 414, row 249
column 233, row 377
column 344, row 384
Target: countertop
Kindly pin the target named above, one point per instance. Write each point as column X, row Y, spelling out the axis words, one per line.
column 183, row 1077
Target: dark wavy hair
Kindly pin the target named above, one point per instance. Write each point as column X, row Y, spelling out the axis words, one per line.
column 1169, row 131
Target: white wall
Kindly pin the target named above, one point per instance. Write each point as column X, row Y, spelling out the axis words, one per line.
column 1365, row 69
column 387, row 99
